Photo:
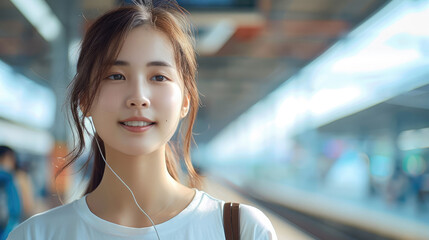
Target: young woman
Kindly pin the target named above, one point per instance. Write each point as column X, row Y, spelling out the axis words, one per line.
column 135, row 81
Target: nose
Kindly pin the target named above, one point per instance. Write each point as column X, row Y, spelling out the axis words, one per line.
column 138, row 102
column 139, row 93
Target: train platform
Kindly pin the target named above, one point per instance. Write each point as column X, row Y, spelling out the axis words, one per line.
column 283, row 228
column 297, row 213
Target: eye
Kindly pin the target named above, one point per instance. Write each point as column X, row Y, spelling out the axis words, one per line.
column 116, row 77
column 159, row 78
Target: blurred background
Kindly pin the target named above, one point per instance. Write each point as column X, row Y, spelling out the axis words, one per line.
column 315, row 111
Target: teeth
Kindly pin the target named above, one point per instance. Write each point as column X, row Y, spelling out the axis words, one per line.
column 137, row 123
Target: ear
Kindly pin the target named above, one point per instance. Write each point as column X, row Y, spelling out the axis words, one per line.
column 185, row 106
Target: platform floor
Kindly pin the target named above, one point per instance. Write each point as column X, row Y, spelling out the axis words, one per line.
column 284, row 229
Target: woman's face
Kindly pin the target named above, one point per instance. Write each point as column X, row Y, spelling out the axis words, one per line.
column 141, row 98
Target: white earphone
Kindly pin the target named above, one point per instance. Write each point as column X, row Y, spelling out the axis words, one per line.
column 99, row 148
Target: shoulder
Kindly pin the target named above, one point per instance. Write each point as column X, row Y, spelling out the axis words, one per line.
column 41, row 223
column 254, row 224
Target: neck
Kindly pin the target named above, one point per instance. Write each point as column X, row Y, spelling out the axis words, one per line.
column 147, row 176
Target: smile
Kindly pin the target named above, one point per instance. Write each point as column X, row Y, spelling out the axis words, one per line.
column 136, row 126
column 136, row 123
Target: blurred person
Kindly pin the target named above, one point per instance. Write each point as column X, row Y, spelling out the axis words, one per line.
column 10, row 204
column 25, row 188
column 424, row 194
column 16, row 190
column 135, row 83
column 395, row 192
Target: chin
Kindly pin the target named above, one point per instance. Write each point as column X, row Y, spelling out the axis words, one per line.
column 139, row 150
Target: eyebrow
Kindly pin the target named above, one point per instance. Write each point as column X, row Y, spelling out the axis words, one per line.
column 149, row 64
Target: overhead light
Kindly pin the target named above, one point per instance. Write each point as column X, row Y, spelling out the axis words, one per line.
column 40, row 15
column 413, row 139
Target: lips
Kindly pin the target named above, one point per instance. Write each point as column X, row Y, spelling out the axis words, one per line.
column 137, row 124
column 137, row 119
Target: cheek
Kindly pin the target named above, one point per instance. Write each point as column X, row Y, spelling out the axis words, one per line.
column 169, row 101
column 104, row 109
column 106, row 100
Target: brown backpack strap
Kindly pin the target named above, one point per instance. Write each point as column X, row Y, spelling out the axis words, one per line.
column 231, row 221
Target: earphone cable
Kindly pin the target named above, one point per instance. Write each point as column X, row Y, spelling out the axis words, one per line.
column 99, row 148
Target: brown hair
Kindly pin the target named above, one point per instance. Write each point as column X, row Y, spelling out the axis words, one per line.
column 100, row 47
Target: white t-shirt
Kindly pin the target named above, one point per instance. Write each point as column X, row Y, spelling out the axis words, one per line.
column 201, row 219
